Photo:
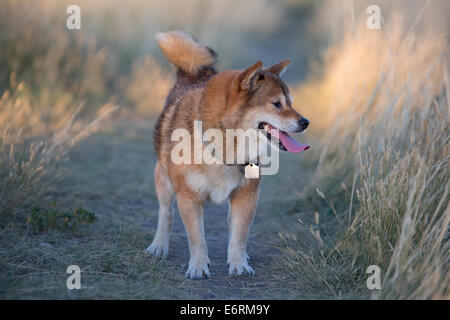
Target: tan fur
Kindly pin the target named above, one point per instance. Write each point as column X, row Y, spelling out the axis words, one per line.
column 233, row 99
column 184, row 52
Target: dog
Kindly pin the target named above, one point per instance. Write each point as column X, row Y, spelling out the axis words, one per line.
column 252, row 98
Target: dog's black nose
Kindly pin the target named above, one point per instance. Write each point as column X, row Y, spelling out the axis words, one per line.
column 303, row 123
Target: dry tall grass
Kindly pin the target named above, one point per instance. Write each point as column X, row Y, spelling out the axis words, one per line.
column 31, row 154
column 46, row 74
column 381, row 133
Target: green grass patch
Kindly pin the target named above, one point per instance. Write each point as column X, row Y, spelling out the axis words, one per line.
column 57, row 219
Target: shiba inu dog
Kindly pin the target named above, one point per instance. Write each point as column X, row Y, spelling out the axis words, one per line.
column 253, row 98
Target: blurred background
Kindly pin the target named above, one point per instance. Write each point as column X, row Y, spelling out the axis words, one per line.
column 115, row 55
column 377, row 175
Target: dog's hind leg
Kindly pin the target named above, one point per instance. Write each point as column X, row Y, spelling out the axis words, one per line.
column 242, row 204
column 165, row 193
column 191, row 211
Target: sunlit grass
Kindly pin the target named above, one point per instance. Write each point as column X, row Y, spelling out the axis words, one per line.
column 32, row 151
column 380, row 116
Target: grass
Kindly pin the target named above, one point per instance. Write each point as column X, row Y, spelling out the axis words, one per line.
column 109, row 250
column 382, row 163
column 40, row 220
column 35, row 266
column 31, row 158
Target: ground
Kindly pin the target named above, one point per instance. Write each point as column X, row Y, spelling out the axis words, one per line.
column 111, row 174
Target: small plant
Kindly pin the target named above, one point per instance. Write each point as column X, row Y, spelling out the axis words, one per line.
column 41, row 220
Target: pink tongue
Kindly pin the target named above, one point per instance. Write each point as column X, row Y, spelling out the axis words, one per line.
column 289, row 143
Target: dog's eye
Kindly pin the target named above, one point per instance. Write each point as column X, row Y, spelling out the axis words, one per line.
column 277, row 104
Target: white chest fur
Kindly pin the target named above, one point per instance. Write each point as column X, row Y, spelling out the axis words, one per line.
column 216, row 182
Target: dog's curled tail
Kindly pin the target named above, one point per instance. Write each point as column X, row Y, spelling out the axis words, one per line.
column 185, row 52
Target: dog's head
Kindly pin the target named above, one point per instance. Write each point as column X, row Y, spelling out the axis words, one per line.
column 265, row 104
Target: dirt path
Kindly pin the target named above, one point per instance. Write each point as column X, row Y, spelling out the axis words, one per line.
column 221, row 285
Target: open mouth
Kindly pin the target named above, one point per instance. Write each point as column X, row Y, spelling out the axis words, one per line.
column 282, row 139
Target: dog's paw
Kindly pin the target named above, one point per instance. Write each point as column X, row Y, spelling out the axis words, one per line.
column 198, row 270
column 158, row 250
column 241, row 268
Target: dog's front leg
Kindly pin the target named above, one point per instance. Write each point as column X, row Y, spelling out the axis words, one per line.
column 191, row 211
column 242, row 204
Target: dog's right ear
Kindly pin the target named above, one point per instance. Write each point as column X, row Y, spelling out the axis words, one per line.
column 280, row 67
column 250, row 77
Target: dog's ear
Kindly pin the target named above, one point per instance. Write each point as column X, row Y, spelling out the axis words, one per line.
column 280, row 67
column 251, row 76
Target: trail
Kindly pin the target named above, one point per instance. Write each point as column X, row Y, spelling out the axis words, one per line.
column 220, row 285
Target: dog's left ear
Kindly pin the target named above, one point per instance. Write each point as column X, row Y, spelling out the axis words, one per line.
column 250, row 77
column 280, row 67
